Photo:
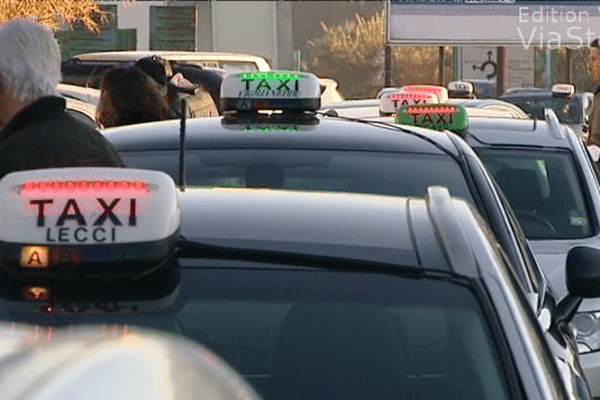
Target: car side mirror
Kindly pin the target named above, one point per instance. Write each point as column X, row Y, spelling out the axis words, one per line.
column 583, row 281
column 583, row 272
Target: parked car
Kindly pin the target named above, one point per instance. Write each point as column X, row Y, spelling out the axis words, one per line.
column 308, row 295
column 571, row 107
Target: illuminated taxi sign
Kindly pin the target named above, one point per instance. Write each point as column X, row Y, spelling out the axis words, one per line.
column 440, row 91
column 391, row 101
column 270, row 90
column 563, row 90
column 75, row 216
column 272, row 128
column 460, row 89
column 439, row 117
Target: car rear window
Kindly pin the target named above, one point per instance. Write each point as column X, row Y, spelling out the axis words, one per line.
column 313, row 334
column 342, row 171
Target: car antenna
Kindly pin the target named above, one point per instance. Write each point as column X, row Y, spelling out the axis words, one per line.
column 534, row 122
column 182, row 146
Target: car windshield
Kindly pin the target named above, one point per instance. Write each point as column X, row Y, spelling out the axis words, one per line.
column 340, row 171
column 309, row 334
column 568, row 111
column 543, row 189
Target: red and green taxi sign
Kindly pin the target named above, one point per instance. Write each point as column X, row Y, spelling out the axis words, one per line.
column 434, row 116
column 390, row 102
column 440, row 91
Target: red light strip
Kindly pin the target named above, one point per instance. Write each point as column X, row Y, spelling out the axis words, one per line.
column 427, row 89
column 430, row 110
column 86, row 186
column 408, row 95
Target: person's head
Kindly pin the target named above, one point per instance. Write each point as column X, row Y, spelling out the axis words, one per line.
column 594, row 62
column 156, row 68
column 129, row 96
column 29, row 65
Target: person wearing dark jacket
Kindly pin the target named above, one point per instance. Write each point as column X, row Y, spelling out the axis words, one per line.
column 594, row 68
column 199, row 102
column 35, row 130
column 129, row 96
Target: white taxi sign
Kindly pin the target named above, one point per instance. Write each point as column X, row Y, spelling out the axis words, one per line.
column 270, row 90
column 86, row 206
column 391, row 101
column 440, row 91
column 563, row 90
column 460, row 89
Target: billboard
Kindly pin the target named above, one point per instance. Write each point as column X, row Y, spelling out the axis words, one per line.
column 493, row 22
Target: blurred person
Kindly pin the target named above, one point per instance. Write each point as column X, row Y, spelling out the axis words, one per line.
column 35, row 130
column 176, row 88
column 209, row 78
column 594, row 67
column 129, row 96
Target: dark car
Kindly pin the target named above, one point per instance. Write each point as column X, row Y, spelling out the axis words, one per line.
column 308, row 295
column 571, row 107
column 296, row 149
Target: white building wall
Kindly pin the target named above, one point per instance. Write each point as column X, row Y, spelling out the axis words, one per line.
column 236, row 26
column 246, row 27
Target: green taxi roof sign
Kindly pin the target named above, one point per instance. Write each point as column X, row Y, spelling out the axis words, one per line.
column 439, row 117
column 272, row 90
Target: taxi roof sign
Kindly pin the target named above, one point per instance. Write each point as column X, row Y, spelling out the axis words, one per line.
column 77, row 216
column 391, row 101
column 270, row 90
column 563, row 90
column 440, row 91
column 461, row 89
column 439, row 117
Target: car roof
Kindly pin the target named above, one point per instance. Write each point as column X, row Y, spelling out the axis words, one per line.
column 483, row 103
column 173, row 55
column 87, row 94
column 372, row 226
column 408, row 232
column 330, row 133
column 537, row 93
column 518, row 132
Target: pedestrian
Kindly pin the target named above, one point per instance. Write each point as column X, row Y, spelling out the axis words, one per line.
column 129, row 96
column 594, row 68
column 35, row 130
column 176, row 88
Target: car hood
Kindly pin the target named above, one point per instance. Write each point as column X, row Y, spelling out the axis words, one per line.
column 552, row 257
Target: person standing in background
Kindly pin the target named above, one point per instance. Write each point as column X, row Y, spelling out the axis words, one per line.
column 35, row 130
column 129, row 96
column 594, row 68
column 175, row 88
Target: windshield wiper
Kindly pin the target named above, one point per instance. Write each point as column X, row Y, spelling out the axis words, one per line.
column 194, row 249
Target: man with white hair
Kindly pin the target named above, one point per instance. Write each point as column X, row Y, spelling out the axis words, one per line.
column 35, row 130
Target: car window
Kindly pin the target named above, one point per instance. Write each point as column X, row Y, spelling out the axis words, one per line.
column 306, row 334
column 543, row 189
column 341, row 171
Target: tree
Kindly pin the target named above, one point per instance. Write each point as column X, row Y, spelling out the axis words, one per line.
column 56, row 13
column 345, row 53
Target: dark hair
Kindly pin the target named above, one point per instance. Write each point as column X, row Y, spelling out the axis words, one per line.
column 129, row 96
column 595, row 43
column 156, row 68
